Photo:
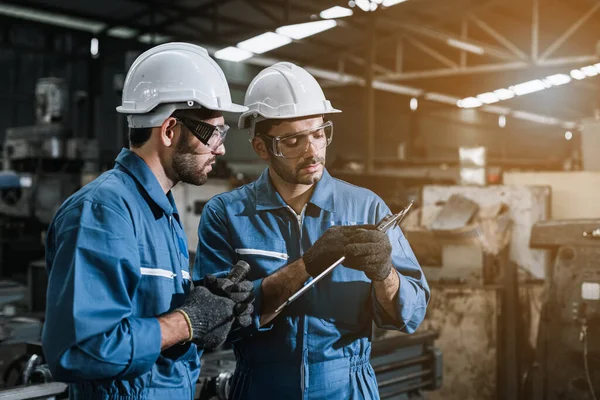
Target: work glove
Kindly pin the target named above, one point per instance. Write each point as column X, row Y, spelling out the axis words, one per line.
column 240, row 293
column 210, row 317
column 369, row 250
column 327, row 249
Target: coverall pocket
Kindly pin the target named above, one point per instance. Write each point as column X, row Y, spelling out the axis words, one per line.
column 264, row 255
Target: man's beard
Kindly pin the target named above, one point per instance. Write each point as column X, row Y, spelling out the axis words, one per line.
column 293, row 176
column 186, row 167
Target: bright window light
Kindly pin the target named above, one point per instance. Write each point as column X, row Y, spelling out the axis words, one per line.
column 558, row 79
column 590, row 70
column 577, row 74
column 300, row 31
column 504, row 94
column 469, row 102
column 528, row 87
column 389, row 3
column 233, row 54
column 364, row 5
column 264, row 42
column 335, row 12
column 465, row 46
column 597, row 66
column 488, row 98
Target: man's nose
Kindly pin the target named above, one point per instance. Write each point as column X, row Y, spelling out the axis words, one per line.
column 219, row 151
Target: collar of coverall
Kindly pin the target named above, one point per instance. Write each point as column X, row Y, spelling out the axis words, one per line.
column 267, row 197
column 141, row 172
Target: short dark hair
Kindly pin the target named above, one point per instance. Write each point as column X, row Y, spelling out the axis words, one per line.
column 264, row 127
column 139, row 136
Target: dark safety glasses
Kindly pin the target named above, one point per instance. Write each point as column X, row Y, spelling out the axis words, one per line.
column 211, row 136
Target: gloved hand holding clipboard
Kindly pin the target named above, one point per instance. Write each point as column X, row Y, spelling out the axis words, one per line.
column 388, row 222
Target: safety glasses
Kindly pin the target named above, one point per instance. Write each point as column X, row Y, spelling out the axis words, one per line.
column 294, row 145
column 211, row 136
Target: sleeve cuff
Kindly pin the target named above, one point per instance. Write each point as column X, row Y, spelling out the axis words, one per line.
column 404, row 307
column 146, row 338
column 258, row 306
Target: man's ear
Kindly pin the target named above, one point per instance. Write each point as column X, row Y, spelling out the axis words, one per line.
column 260, row 148
column 167, row 131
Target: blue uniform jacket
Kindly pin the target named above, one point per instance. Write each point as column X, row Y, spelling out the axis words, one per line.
column 319, row 347
column 117, row 258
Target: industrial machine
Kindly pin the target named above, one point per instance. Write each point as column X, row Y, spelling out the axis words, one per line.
column 568, row 349
column 42, row 166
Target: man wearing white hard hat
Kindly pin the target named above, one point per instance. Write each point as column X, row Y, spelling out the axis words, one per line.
column 122, row 319
column 290, row 225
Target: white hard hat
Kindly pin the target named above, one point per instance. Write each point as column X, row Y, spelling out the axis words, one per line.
column 173, row 76
column 283, row 91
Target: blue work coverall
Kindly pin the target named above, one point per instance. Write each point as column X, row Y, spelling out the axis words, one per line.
column 117, row 258
column 318, row 347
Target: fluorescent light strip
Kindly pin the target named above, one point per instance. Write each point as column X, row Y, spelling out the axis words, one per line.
column 336, row 12
column 264, row 42
column 233, row 54
column 389, row 3
column 465, row 46
column 528, row 87
column 300, row 31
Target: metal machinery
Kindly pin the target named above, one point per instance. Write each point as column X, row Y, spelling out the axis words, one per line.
column 42, row 165
column 568, row 351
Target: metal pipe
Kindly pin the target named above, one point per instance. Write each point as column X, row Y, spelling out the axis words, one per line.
column 569, row 32
column 499, row 37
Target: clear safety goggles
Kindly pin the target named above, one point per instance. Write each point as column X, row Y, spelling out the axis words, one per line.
column 212, row 136
column 294, row 145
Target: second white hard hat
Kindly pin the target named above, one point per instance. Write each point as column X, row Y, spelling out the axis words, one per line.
column 283, row 91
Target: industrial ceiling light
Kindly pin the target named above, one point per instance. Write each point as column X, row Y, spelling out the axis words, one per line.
column 469, row 102
column 568, row 135
column 371, row 5
column 488, row 98
column 558, row 79
column 233, row 54
column 336, row 12
column 577, row 74
column 528, row 87
column 502, row 121
column 94, row 47
column 590, row 70
column 389, row 3
column 414, row 104
column 459, row 44
column 504, row 94
column 300, row 31
column 364, row 5
column 264, row 42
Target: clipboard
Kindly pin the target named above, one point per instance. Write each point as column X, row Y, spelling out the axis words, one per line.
column 385, row 224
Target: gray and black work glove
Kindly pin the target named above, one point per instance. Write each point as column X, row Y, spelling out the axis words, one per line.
column 210, row 317
column 240, row 293
column 327, row 249
column 369, row 250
